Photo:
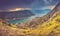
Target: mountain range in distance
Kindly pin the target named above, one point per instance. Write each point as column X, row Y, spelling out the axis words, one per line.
column 15, row 16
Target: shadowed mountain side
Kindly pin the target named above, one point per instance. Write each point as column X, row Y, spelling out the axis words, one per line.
column 15, row 14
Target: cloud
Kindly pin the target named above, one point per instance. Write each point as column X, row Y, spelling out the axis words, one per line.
column 51, row 7
column 15, row 9
column 50, row 0
column 19, row 9
column 48, row 7
column 46, row 1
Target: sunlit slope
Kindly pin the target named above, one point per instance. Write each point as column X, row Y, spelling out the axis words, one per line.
column 50, row 27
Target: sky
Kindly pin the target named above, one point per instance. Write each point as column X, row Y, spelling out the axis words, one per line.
column 31, row 4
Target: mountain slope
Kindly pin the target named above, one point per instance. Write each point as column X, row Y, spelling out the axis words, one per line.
column 50, row 27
